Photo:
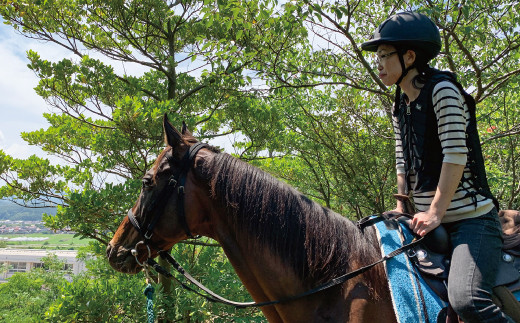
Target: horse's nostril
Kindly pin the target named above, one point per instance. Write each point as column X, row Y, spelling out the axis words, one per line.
column 111, row 251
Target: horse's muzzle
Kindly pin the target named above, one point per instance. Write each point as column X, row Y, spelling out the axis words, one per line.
column 122, row 260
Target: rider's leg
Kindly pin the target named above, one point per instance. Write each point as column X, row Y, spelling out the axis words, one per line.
column 477, row 244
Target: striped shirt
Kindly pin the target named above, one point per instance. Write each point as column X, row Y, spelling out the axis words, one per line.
column 452, row 119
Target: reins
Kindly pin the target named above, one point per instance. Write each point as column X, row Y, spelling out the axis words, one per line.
column 158, row 208
column 214, row 297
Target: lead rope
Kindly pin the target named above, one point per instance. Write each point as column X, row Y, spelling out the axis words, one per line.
column 148, row 292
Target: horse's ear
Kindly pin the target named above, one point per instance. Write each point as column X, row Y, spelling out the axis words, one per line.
column 172, row 136
column 185, row 131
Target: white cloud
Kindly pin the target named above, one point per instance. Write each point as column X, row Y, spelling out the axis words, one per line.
column 19, row 150
column 17, row 81
column 21, row 109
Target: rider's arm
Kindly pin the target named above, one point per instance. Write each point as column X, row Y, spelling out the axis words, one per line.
column 399, row 160
column 450, row 112
column 401, row 189
column 424, row 222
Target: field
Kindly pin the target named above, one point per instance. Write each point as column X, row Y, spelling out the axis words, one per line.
column 54, row 241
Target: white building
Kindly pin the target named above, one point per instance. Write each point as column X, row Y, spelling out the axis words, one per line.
column 23, row 260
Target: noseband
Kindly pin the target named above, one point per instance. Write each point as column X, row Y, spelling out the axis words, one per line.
column 158, row 205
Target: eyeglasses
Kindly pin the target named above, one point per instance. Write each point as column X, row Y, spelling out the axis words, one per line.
column 380, row 58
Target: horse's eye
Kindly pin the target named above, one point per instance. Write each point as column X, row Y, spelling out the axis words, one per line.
column 147, row 182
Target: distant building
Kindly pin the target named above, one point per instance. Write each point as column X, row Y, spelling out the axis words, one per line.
column 23, row 260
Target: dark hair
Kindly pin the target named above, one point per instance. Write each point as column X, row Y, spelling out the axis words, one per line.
column 423, row 67
column 421, row 63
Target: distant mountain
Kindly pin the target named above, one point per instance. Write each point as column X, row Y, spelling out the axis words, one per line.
column 13, row 212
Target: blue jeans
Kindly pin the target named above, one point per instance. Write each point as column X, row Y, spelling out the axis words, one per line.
column 477, row 244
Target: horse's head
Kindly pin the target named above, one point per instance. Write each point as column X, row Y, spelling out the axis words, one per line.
column 159, row 218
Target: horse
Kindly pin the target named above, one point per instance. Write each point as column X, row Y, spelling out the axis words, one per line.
column 279, row 242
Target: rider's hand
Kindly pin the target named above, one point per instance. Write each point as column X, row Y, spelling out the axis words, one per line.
column 424, row 222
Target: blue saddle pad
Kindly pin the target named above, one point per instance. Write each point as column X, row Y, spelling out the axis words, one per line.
column 413, row 300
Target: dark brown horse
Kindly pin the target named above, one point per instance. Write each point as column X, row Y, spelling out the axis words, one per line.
column 279, row 242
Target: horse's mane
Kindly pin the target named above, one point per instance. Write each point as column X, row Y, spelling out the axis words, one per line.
column 316, row 242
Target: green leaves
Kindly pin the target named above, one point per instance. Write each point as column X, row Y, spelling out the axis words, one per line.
column 288, row 81
column 332, row 150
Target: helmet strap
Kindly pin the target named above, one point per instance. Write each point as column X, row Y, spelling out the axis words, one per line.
column 397, row 98
column 404, row 68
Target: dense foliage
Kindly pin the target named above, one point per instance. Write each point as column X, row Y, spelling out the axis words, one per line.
column 287, row 80
column 102, row 295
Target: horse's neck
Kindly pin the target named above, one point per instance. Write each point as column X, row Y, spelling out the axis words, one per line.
column 280, row 243
column 264, row 277
column 255, row 265
column 257, row 262
column 267, row 277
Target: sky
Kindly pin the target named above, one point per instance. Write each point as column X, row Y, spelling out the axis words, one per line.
column 21, row 109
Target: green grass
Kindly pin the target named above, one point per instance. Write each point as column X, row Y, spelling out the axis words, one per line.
column 55, row 241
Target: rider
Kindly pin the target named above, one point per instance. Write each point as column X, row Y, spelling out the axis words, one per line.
column 439, row 162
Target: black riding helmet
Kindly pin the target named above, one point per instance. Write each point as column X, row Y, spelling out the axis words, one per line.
column 407, row 30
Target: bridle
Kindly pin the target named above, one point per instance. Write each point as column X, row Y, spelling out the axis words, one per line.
column 158, row 205
column 176, row 182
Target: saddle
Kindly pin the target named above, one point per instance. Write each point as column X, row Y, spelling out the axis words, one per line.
column 432, row 257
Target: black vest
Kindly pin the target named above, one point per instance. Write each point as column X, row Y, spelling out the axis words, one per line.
column 422, row 150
